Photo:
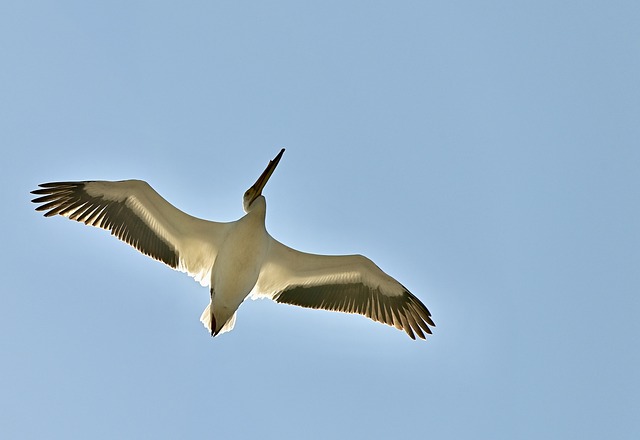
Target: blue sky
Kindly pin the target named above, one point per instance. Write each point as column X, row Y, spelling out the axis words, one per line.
column 486, row 154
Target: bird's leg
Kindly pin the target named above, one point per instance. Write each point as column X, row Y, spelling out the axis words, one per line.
column 213, row 318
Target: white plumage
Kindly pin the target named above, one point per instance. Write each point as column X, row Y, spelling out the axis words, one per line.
column 236, row 259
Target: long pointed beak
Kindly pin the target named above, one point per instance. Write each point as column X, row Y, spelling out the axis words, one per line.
column 264, row 177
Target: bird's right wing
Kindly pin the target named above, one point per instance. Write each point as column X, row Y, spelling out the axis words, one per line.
column 136, row 214
column 344, row 283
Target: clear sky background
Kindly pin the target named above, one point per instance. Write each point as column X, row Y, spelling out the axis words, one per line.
column 486, row 154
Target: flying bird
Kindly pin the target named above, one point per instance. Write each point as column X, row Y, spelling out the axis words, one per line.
column 236, row 259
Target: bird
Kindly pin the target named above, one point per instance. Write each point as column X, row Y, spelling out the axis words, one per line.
column 239, row 259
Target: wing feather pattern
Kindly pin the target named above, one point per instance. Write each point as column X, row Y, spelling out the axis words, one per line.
column 136, row 214
column 344, row 283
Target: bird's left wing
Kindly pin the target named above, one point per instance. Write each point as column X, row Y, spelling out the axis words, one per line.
column 344, row 283
column 136, row 214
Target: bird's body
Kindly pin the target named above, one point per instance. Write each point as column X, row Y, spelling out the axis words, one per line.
column 237, row 266
column 236, row 259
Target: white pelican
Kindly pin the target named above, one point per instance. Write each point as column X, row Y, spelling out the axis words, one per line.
column 236, row 259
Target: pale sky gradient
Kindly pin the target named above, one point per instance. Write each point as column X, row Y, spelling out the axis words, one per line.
column 486, row 154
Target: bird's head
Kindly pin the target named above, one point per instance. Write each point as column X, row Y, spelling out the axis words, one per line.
column 256, row 190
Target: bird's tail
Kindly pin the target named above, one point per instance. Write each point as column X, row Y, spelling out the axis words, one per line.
column 205, row 319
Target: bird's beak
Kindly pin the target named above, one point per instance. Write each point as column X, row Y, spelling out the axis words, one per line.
column 264, row 177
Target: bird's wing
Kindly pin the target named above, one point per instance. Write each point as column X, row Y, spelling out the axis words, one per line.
column 136, row 214
column 345, row 283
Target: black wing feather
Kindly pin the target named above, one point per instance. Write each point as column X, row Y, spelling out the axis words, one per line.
column 404, row 312
column 70, row 199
